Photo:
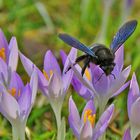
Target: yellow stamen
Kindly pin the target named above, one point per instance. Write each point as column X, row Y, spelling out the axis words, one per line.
column 12, row 92
column 46, row 75
column 87, row 73
column 2, row 54
column 88, row 115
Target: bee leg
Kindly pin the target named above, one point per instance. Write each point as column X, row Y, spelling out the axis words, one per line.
column 78, row 59
column 85, row 66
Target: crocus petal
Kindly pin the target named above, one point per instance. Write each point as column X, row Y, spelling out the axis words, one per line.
column 13, row 56
column 67, row 77
column 63, row 56
column 3, row 71
column 119, row 58
column 127, row 135
column 74, row 118
column 50, row 63
column 9, row 106
column 34, row 85
column 55, row 87
column 28, row 64
column 103, row 122
column 121, row 89
column 86, row 132
column 133, row 93
column 42, row 82
column 16, row 83
column 117, row 83
column 89, row 106
column 135, row 113
column 81, row 89
column 83, row 79
column 101, row 85
column 4, row 43
column 25, row 101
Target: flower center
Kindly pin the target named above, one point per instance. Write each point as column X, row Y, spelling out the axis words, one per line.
column 47, row 76
column 2, row 54
column 88, row 115
column 87, row 73
column 13, row 92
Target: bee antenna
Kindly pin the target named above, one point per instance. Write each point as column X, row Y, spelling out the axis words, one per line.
column 99, row 77
column 113, row 75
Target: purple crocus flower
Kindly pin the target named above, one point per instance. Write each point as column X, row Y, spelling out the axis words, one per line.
column 107, row 86
column 16, row 101
column 52, row 82
column 84, row 128
column 133, row 107
column 82, row 90
column 9, row 52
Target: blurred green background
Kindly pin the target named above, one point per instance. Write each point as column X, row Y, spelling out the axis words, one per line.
column 36, row 25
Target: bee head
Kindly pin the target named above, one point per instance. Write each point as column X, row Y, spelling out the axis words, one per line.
column 108, row 68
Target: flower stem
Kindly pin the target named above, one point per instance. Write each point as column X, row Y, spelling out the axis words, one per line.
column 14, row 133
column 57, row 112
column 18, row 131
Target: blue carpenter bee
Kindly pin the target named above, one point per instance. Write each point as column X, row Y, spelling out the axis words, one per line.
column 98, row 53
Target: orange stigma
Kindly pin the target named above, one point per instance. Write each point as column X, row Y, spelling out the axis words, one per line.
column 46, row 75
column 87, row 74
column 88, row 115
column 2, row 54
column 12, row 92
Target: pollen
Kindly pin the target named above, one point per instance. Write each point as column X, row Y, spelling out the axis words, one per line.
column 2, row 54
column 88, row 115
column 46, row 74
column 12, row 92
column 87, row 73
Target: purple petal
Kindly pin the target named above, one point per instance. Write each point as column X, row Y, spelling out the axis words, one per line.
column 13, row 56
column 9, row 106
column 55, row 87
column 119, row 58
column 83, row 79
column 28, row 64
column 117, row 83
column 133, row 93
column 86, row 132
column 42, row 82
column 103, row 122
column 135, row 113
column 4, row 43
column 34, row 85
column 81, row 89
column 3, row 71
column 89, row 106
column 74, row 118
column 51, row 64
column 121, row 89
column 67, row 77
column 100, row 85
column 25, row 101
column 127, row 135
column 63, row 56
column 16, row 83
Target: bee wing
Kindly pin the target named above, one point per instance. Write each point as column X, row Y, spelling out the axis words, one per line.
column 123, row 34
column 76, row 44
